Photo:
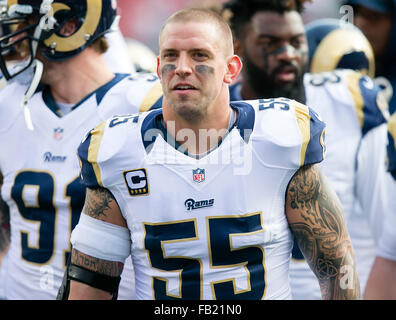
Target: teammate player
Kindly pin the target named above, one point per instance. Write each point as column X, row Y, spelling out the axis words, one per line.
column 381, row 282
column 377, row 21
column 205, row 194
column 270, row 38
column 335, row 44
column 40, row 169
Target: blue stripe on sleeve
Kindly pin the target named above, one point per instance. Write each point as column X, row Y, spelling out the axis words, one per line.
column 373, row 116
column 316, row 148
column 391, row 155
column 88, row 176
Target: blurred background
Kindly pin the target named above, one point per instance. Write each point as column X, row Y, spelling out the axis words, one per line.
column 142, row 19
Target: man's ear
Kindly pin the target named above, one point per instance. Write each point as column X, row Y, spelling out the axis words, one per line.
column 69, row 28
column 234, row 67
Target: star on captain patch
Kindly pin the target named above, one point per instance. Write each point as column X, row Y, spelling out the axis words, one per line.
column 58, row 133
column 199, row 175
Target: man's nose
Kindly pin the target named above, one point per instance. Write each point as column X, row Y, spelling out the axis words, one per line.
column 286, row 53
column 183, row 65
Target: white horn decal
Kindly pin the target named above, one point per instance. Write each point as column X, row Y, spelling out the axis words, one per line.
column 77, row 40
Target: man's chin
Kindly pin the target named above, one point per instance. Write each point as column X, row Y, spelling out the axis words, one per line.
column 189, row 111
column 285, row 89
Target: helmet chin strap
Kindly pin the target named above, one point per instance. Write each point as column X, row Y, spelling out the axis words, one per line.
column 46, row 23
column 38, row 71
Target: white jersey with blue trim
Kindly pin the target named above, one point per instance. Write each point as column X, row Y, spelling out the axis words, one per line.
column 376, row 190
column 41, row 176
column 213, row 227
column 351, row 106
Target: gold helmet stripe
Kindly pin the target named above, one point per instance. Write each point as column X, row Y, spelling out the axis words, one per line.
column 335, row 45
column 11, row 2
column 392, row 127
column 77, row 40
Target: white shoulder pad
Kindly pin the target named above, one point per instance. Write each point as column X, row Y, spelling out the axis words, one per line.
column 352, row 89
column 109, row 148
column 287, row 133
column 135, row 93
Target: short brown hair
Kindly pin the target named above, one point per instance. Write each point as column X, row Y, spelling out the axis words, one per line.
column 201, row 15
column 100, row 44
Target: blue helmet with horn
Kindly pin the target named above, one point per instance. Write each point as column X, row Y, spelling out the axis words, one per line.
column 336, row 44
column 58, row 29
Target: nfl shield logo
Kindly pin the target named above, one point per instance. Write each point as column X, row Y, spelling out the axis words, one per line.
column 58, row 133
column 199, row 175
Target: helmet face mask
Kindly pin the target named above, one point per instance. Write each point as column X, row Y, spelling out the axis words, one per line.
column 15, row 46
column 59, row 29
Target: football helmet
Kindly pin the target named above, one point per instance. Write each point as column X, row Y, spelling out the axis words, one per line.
column 31, row 25
column 336, row 44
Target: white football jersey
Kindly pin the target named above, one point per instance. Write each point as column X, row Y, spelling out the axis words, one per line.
column 387, row 239
column 350, row 105
column 41, row 176
column 213, row 227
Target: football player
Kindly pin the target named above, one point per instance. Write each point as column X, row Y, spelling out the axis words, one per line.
column 381, row 282
column 270, row 37
column 376, row 20
column 206, row 195
column 59, row 87
column 353, row 51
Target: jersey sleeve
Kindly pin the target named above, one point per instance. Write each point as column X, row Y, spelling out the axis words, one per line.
column 387, row 243
column 391, row 148
column 109, row 149
column 88, row 156
column 288, row 134
column 370, row 102
column 146, row 91
column 312, row 130
column 373, row 190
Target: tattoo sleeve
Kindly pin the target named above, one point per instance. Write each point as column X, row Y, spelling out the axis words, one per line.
column 98, row 203
column 316, row 219
column 109, row 268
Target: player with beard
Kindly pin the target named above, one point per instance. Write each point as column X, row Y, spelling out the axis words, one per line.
column 270, row 38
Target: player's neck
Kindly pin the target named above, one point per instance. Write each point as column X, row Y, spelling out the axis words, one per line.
column 72, row 80
column 201, row 136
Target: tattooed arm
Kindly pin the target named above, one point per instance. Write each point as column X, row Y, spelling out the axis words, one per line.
column 99, row 204
column 316, row 219
column 4, row 226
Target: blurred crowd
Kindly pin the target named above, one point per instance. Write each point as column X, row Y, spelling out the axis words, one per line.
column 141, row 19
